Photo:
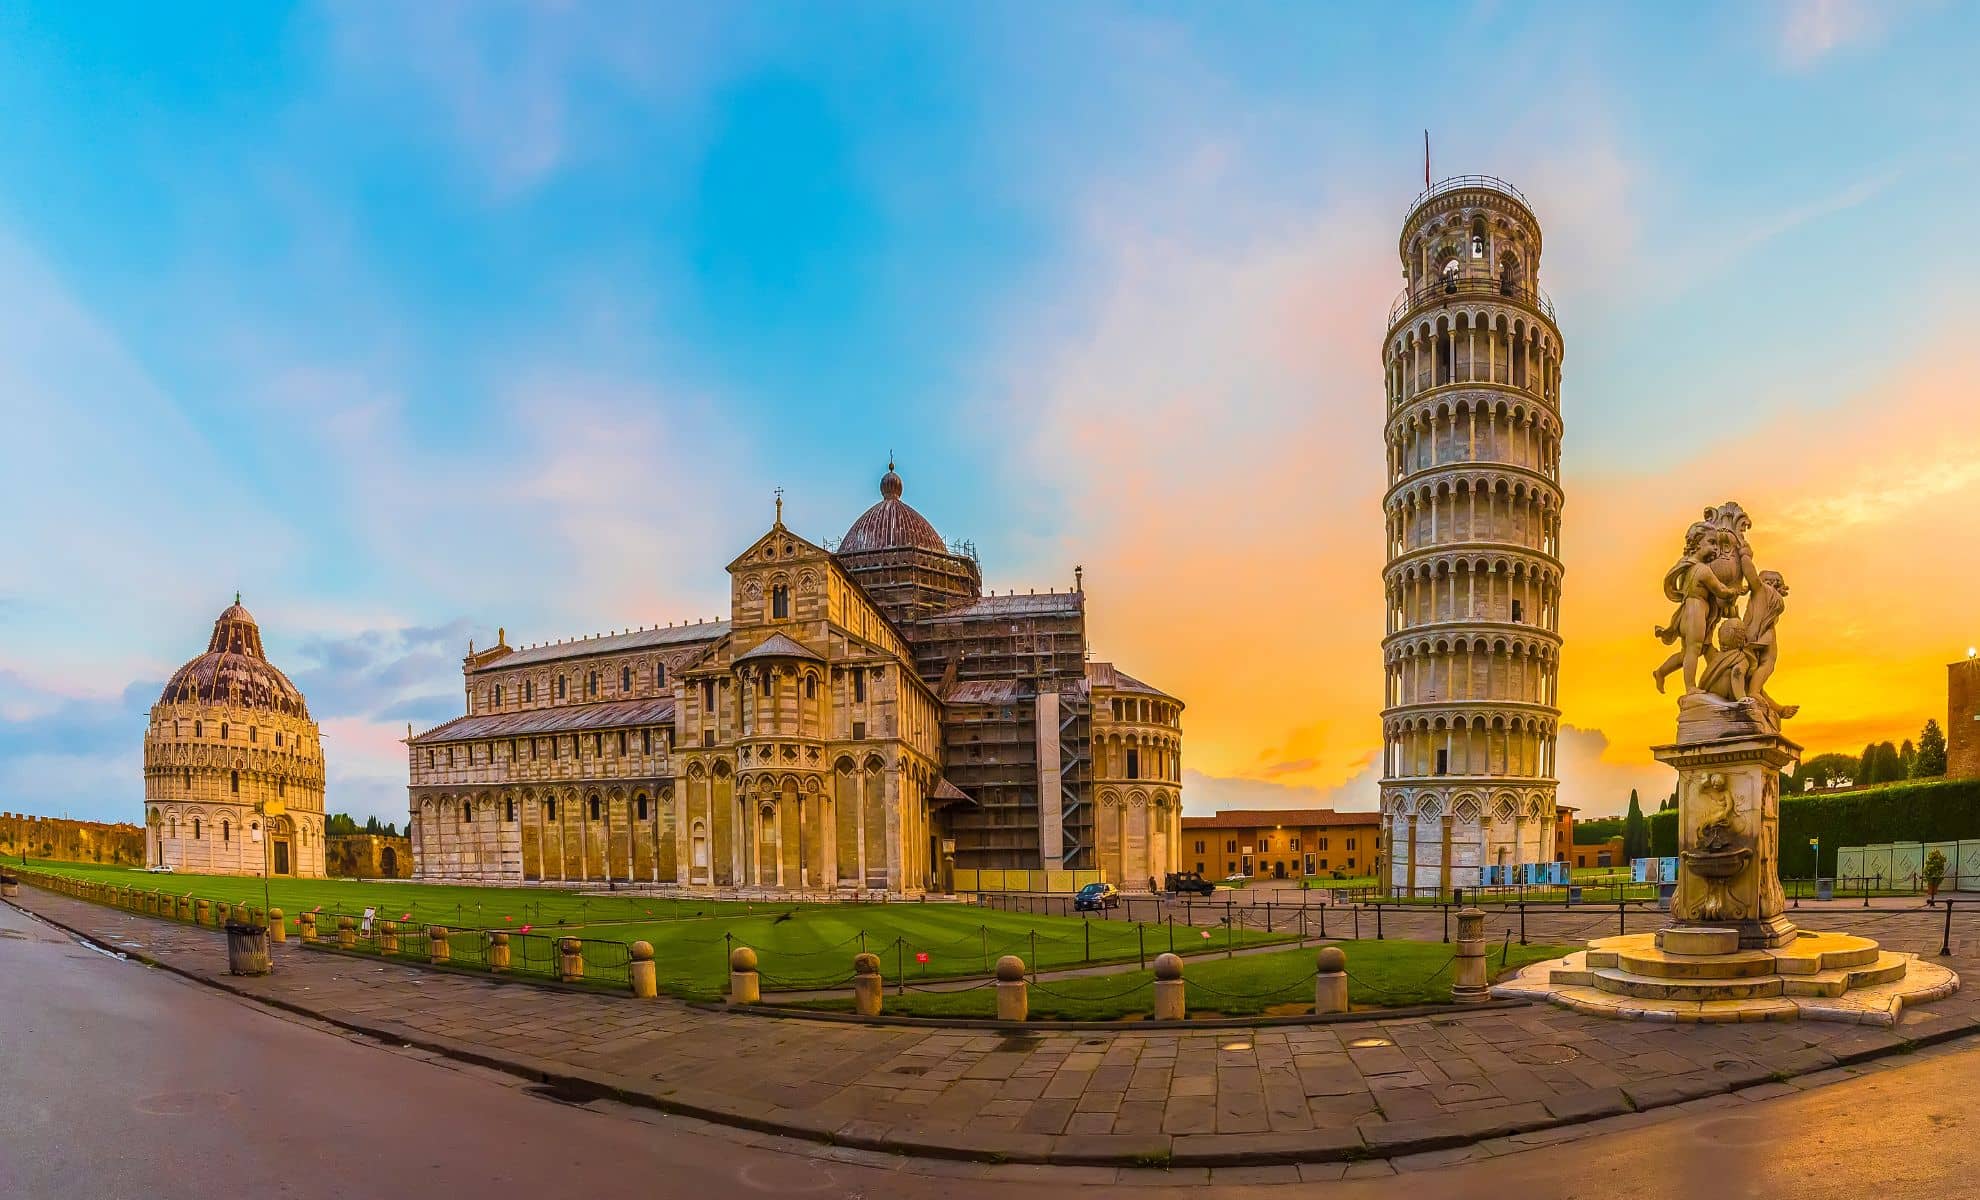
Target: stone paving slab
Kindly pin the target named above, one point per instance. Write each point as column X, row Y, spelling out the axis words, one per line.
column 1414, row 1087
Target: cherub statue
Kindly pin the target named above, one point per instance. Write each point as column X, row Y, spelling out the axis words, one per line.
column 1763, row 612
column 1729, row 668
column 1706, row 584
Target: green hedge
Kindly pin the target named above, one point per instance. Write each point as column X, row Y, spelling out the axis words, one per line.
column 1596, row 830
column 1940, row 810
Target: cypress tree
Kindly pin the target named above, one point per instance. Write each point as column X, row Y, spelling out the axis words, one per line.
column 1866, row 767
column 1636, row 834
column 1907, row 756
column 1889, row 769
column 1931, row 760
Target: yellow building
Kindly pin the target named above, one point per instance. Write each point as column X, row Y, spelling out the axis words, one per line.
column 866, row 720
column 1292, row 843
column 229, row 733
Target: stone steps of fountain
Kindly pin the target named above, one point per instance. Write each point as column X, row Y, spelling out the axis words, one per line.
column 1885, row 967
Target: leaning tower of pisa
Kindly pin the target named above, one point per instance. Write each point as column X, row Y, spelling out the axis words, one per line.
column 1472, row 360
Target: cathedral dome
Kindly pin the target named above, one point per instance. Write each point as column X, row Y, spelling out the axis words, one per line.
column 234, row 671
column 891, row 524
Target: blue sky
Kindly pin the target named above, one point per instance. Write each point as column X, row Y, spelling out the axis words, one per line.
column 412, row 324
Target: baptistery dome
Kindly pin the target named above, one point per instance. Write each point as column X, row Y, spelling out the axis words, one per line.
column 235, row 671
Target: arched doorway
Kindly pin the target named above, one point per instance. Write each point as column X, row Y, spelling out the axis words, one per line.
column 388, row 863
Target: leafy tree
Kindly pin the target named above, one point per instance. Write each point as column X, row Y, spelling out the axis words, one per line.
column 1670, row 802
column 338, row 824
column 1866, row 767
column 1907, row 755
column 1636, row 834
column 1931, row 760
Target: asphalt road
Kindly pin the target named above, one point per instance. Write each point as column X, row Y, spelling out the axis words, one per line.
column 117, row 1080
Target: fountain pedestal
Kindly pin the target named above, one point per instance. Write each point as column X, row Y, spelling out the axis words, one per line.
column 1729, row 835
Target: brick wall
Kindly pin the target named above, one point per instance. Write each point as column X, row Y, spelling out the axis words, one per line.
column 1962, row 729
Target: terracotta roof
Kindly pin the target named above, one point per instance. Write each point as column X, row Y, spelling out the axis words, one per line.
column 1257, row 818
column 891, row 524
column 564, row 718
column 1046, row 604
column 234, row 670
column 991, row 691
column 947, row 793
column 778, row 645
column 611, row 643
column 1112, row 678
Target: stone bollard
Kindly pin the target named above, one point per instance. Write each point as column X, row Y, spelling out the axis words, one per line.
column 306, row 926
column 202, row 912
column 10, row 887
column 182, row 908
column 868, row 986
column 1169, row 1002
column 743, row 988
column 570, row 960
column 346, row 933
column 1330, row 986
column 277, row 931
column 223, row 913
column 1469, row 984
column 437, row 948
column 1013, row 993
column 498, row 951
column 388, row 937
column 640, row 971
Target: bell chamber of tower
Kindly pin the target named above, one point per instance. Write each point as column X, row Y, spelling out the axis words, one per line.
column 1471, row 652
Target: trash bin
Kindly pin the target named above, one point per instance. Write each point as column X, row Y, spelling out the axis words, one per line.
column 1574, row 893
column 1665, row 891
column 247, row 949
column 1825, row 889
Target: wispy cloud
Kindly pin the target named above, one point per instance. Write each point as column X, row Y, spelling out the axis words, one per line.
column 1812, row 30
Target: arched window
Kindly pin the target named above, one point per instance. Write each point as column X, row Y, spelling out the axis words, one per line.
column 467, row 811
column 429, row 759
column 594, row 808
column 188, row 779
column 223, row 731
column 625, row 679
column 281, row 787
column 498, row 695
column 278, row 737
column 562, row 691
column 622, row 741
column 195, row 829
column 591, row 684
column 529, row 690
column 763, row 683
column 199, row 729
column 640, row 801
column 549, row 809
column 780, row 602
column 811, row 687
column 1133, row 763
column 509, row 810
column 646, row 741
column 235, row 782
column 659, row 674
column 254, row 733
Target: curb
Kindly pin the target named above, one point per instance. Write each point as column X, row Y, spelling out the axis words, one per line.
column 1395, row 1140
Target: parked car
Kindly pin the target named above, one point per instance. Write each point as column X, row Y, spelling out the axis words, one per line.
column 1178, row 883
column 1096, row 896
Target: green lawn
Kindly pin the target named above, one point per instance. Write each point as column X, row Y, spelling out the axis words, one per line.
column 1382, row 974
column 1326, row 881
column 798, row 945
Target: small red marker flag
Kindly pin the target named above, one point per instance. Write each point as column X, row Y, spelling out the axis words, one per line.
column 525, row 929
column 1206, row 935
column 507, row 917
column 405, row 916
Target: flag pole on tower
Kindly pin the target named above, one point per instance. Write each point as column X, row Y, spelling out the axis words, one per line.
column 1426, row 160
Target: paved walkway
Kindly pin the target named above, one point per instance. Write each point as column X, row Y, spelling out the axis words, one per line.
column 1215, row 1097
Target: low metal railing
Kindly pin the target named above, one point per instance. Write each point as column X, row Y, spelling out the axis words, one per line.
column 1459, row 285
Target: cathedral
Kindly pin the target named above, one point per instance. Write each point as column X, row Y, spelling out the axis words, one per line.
column 229, row 739
column 867, row 720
